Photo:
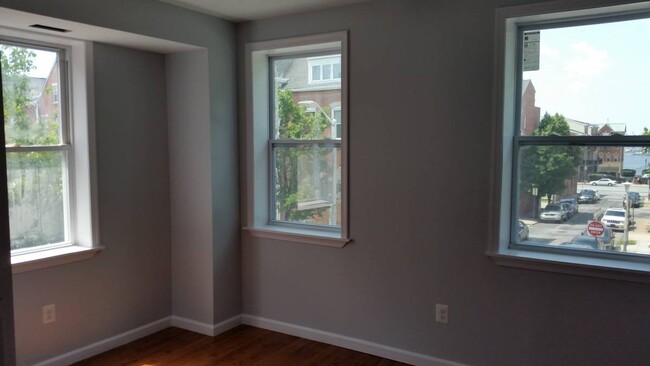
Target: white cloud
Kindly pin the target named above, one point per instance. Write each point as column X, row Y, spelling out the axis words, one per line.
column 548, row 52
column 587, row 62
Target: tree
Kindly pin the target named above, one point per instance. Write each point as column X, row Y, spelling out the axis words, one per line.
column 292, row 183
column 548, row 167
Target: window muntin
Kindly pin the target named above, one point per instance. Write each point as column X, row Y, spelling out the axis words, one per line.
column 38, row 146
column 305, row 157
column 585, row 121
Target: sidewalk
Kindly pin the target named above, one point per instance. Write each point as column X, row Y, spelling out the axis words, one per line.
column 641, row 235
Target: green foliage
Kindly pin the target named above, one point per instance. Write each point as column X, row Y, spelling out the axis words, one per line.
column 547, row 167
column 294, row 123
column 628, row 173
column 592, row 177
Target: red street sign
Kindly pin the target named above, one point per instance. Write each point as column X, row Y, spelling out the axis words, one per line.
column 596, row 228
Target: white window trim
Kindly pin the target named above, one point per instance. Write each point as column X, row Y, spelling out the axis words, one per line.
column 257, row 134
column 83, row 181
column 508, row 19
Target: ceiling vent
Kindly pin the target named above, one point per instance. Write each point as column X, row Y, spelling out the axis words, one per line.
column 48, row 28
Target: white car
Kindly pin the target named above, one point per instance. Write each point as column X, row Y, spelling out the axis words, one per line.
column 603, row 182
column 614, row 218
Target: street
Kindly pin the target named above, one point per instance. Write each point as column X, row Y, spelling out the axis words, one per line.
column 551, row 233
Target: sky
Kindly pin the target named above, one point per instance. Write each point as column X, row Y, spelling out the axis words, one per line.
column 43, row 64
column 596, row 73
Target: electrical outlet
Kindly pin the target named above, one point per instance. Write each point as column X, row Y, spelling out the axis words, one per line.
column 49, row 314
column 442, row 313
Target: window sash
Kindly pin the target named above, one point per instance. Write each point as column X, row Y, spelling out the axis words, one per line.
column 273, row 220
column 521, row 141
column 61, row 101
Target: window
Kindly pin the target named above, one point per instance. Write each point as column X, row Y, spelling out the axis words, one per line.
column 49, row 146
column 38, row 149
column 336, row 122
column 324, row 69
column 297, row 142
column 55, row 93
column 570, row 97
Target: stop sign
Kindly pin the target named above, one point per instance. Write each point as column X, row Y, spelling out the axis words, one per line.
column 596, row 228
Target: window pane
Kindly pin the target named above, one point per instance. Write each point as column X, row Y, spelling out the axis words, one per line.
column 315, row 72
column 35, row 182
column 594, row 75
column 337, row 120
column 294, row 98
column 307, row 185
column 30, row 86
column 327, row 72
column 337, row 71
column 563, row 188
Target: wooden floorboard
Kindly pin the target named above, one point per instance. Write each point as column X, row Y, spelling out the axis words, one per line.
column 243, row 345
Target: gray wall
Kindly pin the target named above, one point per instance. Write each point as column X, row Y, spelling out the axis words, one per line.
column 130, row 284
column 191, row 192
column 421, row 113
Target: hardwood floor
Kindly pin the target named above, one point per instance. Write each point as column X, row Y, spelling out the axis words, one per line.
column 243, row 345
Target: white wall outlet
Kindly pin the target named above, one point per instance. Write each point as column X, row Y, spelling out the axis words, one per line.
column 49, row 314
column 442, row 313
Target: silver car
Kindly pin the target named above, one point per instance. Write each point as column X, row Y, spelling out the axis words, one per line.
column 554, row 212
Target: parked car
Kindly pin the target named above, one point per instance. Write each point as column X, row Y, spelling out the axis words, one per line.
column 588, row 196
column 607, row 238
column 523, row 231
column 614, row 218
column 588, row 242
column 554, row 212
column 572, row 203
column 635, row 199
column 603, row 182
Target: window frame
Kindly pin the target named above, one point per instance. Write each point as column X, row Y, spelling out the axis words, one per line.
column 259, row 145
column 65, row 147
column 511, row 22
column 78, row 139
column 275, row 142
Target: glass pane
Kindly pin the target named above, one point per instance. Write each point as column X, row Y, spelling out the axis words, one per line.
column 337, row 71
column 594, row 75
column 564, row 188
column 35, row 182
column 31, row 95
column 327, row 72
column 294, row 98
column 315, row 72
column 307, row 185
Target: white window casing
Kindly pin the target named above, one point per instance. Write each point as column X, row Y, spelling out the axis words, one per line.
column 503, row 219
column 258, row 219
column 82, row 214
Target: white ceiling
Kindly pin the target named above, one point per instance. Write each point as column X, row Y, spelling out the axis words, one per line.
column 243, row 10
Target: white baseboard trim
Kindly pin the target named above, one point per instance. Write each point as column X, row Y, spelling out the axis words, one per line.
column 205, row 328
column 354, row 344
column 107, row 344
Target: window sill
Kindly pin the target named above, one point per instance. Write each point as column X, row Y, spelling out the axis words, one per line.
column 570, row 264
column 314, row 237
column 53, row 257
